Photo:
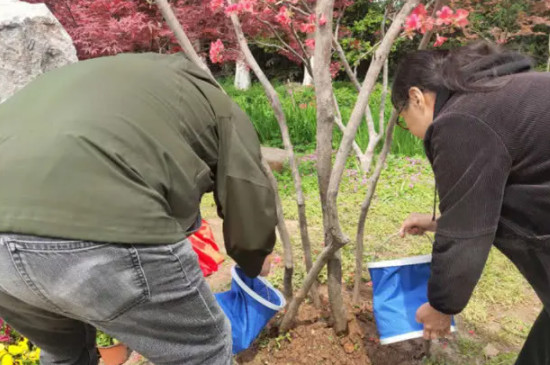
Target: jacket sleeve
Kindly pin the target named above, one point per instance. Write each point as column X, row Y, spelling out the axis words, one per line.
column 471, row 167
column 243, row 194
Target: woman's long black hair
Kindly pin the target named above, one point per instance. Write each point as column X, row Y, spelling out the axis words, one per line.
column 470, row 68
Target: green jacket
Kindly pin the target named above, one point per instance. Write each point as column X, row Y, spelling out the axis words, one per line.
column 121, row 149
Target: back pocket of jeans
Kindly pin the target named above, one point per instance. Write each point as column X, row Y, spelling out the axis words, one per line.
column 93, row 282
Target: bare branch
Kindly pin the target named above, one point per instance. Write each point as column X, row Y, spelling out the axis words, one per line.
column 307, row 64
column 338, row 120
column 276, row 46
column 273, row 97
column 344, row 60
column 309, row 281
column 367, row 202
column 356, row 117
column 374, row 178
column 283, row 235
column 287, row 46
column 306, row 5
column 428, row 35
column 293, row 7
column 183, row 41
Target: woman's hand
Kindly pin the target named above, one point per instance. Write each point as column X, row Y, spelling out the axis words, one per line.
column 418, row 224
column 436, row 324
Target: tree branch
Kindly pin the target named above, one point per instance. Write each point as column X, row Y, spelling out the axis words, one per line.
column 183, row 41
column 287, row 46
column 356, row 117
column 365, row 206
column 273, row 97
column 428, row 35
column 288, row 256
column 307, row 64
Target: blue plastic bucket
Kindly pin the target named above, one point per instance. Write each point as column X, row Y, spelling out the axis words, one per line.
column 249, row 305
column 400, row 287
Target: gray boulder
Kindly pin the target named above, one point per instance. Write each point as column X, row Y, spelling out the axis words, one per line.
column 32, row 41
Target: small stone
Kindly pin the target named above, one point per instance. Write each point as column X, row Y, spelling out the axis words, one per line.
column 491, row 351
column 349, row 347
column 275, row 157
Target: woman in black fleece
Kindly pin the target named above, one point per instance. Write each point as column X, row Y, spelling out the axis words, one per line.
column 485, row 122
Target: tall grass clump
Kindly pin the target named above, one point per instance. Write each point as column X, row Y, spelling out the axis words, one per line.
column 300, row 110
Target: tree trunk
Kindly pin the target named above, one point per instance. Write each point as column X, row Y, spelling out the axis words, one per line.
column 279, row 114
column 548, row 63
column 359, row 251
column 338, row 238
column 325, row 125
column 242, row 76
column 308, row 79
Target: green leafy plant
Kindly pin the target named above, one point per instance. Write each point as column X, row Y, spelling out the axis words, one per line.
column 104, row 340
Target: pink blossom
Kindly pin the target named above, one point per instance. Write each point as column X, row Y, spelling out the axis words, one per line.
column 283, row 17
column 216, row 49
column 322, row 20
column 427, row 25
column 310, row 43
column 420, row 10
column 335, row 69
column 307, row 28
column 248, row 5
column 311, row 18
column 444, row 16
column 233, row 9
column 461, row 18
column 439, row 40
column 412, row 23
column 215, row 5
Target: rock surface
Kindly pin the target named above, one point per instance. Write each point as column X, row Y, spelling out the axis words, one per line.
column 275, row 157
column 32, row 41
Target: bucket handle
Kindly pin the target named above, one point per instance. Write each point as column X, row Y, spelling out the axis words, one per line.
column 390, row 238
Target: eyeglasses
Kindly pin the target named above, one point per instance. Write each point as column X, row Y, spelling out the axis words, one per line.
column 400, row 122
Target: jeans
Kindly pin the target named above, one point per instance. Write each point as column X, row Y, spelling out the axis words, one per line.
column 153, row 298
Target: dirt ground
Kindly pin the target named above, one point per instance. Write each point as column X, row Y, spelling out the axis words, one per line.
column 313, row 341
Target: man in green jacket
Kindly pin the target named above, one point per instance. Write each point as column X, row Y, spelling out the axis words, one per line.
column 103, row 165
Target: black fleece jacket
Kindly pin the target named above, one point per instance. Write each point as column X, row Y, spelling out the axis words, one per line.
column 490, row 152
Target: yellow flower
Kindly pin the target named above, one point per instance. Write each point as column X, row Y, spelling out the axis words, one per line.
column 6, row 359
column 16, row 350
column 34, row 355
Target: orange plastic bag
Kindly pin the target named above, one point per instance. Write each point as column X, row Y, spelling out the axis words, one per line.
column 207, row 250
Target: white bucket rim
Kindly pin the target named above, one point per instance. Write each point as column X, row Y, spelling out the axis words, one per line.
column 422, row 259
column 257, row 297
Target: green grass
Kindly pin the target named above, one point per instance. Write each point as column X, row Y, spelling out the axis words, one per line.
column 300, row 111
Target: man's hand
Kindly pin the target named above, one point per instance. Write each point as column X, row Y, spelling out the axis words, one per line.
column 266, row 268
column 436, row 324
column 418, row 224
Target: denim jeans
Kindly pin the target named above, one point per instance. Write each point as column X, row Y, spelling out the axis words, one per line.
column 153, row 298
